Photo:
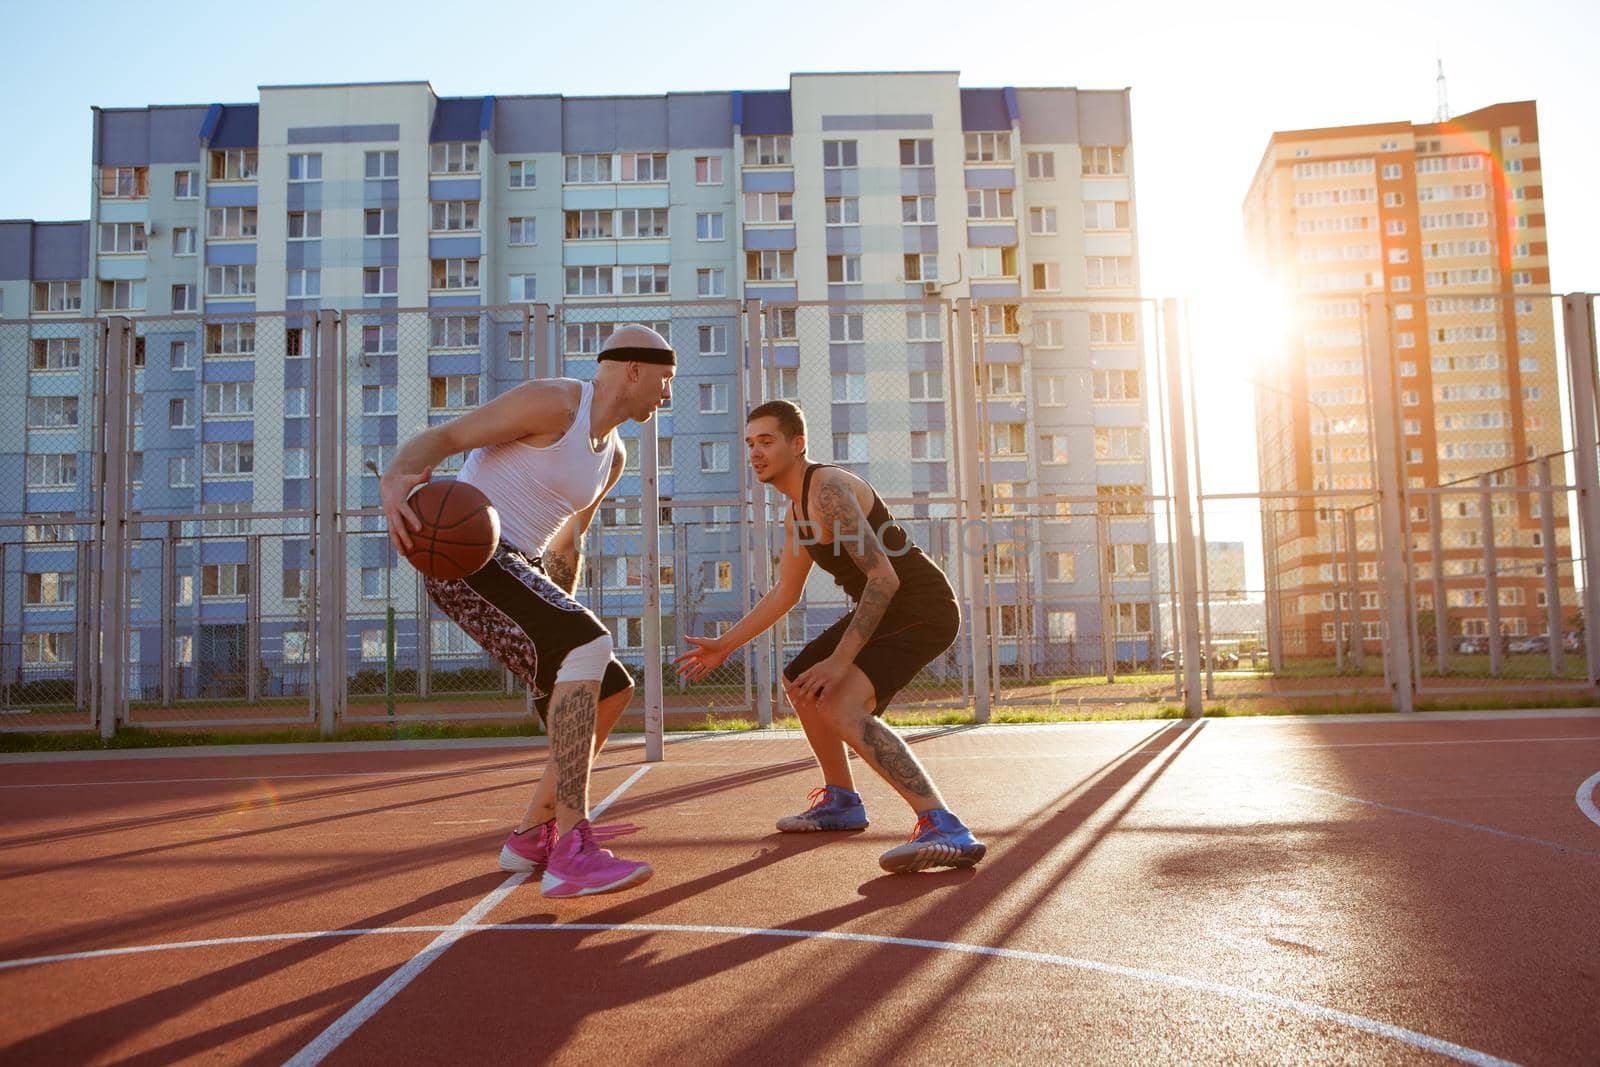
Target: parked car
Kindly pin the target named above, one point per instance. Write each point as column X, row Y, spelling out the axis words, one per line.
column 1472, row 646
column 1572, row 642
column 1536, row 643
column 1226, row 659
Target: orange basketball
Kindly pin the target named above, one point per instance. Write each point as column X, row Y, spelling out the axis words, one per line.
column 460, row 529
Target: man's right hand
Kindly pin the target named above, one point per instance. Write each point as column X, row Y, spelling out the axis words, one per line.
column 706, row 656
column 393, row 492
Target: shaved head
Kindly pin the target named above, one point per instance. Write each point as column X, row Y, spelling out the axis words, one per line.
column 634, row 341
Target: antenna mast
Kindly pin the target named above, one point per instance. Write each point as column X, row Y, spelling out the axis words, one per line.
column 1442, row 111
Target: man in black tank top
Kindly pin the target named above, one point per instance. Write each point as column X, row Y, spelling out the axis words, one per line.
column 905, row 615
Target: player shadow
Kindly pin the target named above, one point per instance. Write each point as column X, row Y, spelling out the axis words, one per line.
column 91, row 1035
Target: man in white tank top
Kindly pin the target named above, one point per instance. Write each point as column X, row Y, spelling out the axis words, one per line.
column 546, row 453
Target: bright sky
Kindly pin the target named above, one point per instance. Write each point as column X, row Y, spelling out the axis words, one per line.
column 1210, row 83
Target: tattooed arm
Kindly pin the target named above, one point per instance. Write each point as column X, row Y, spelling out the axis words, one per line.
column 839, row 511
column 563, row 558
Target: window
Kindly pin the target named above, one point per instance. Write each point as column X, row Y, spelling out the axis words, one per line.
column 767, row 151
column 1042, row 221
column 642, row 222
column 844, row 269
column 121, row 238
column 48, row 649
column 589, row 169
column 850, row 447
column 184, row 298
column 382, row 222
column 229, row 458
column 781, row 323
column 708, row 170
column 786, row 383
column 454, row 274
column 1116, row 385
column 522, row 289
column 453, row 392
column 1053, row 448
column 295, row 402
column 1046, row 277
column 377, row 400
column 521, row 230
column 643, row 279
column 1133, row 618
column 916, row 153
column 849, row 388
column 234, row 165
column 994, row 262
column 838, row 155
column 1394, row 227
column 921, row 267
column 453, row 331
column 842, row 210
column 231, row 280
column 305, row 166
column 990, row 204
column 56, row 353
column 378, row 455
column 229, row 398
column 1394, row 199
column 230, row 339
column 1049, row 333
column 455, row 157
column 711, row 281
column 845, row 327
column 1109, row 271
column 383, row 164
column 186, row 185
column 58, row 296
column 229, row 223
column 713, row 340
column 1128, row 561
column 590, row 225
column 1100, row 161
column 1118, row 442
column 922, row 325
column 225, row 579
column 1005, row 379
column 302, row 283
column 927, row 444
column 180, row 472
column 713, row 398
column 522, row 174
column 124, row 183
column 988, row 147
column 714, row 456
column 917, row 209
column 380, row 281
column 183, row 243
column 768, row 207
column 927, row 385
column 1008, row 439
column 1041, row 164
column 52, row 412
column 127, row 296
column 1000, row 320
column 708, row 226
column 52, row 470
column 642, row 167
column 455, row 215
column 1105, row 215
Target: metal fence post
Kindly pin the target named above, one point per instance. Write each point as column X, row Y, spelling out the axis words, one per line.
column 1441, row 599
column 1357, row 639
column 964, row 390
column 252, row 620
column 1178, row 436
column 1491, row 577
column 539, row 340
column 329, row 641
column 1552, row 574
column 650, row 518
column 1578, row 315
column 1391, row 525
column 755, row 496
column 113, row 480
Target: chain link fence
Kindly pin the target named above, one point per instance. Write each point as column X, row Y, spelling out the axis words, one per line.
column 1046, row 454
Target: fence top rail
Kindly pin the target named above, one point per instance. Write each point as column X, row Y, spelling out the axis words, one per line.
column 46, row 519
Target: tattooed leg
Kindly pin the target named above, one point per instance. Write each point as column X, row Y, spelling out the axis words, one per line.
column 542, row 808
column 826, row 745
column 850, row 712
column 572, row 736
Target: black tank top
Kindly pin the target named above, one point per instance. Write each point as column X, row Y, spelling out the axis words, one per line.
column 919, row 575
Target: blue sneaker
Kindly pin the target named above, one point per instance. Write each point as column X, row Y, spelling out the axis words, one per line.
column 832, row 808
column 938, row 840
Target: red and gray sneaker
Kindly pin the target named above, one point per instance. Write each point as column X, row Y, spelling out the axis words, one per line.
column 938, row 840
column 530, row 850
column 578, row 866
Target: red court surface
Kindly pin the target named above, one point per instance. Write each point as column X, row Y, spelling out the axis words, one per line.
column 1315, row 890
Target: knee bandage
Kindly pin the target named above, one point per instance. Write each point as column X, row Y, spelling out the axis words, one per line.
column 586, row 663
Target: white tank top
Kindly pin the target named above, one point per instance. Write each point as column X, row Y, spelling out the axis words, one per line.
column 535, row 490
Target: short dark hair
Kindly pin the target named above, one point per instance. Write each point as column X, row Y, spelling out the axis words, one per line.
column 791, row 420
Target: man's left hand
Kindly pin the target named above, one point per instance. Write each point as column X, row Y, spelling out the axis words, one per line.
column 817, row 679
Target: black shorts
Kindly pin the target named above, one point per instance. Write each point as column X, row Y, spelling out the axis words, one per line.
column 524, row 620
column 911, row 635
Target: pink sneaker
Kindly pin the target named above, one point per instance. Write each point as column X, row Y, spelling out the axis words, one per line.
column 529, row 851
column 578, row 866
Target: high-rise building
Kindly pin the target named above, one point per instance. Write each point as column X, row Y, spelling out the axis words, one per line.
column 1447, row 220
column 379, row 199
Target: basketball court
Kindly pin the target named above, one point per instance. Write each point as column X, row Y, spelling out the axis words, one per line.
column 1374, row 889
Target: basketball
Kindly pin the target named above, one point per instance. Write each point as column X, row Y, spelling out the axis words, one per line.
column 459, row 529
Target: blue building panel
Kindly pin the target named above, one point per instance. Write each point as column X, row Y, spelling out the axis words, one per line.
column 213, row 430
column 16, row 251
column 991, row 178
column 768, row 181
column 238, row 126
column 231, row 194
column 839, row 240
column 57, row 499
column 296, row 433
column 846, row 182
column 919, row 238
column 995, row 290
column 60, row 251
column 992, row 235
column 229, row 370
column 301, row 255
column 925, row 355
column 1002, row 351
column 457, row 119
column 228, row 253
column 763, row 112
column 450, row 302
column 454, row 188
column 212, row 551
column 699, row 120
column 762, row 238
column 525, row 125
column 771, row 294
column 849, row 418
column 786, row 355
column 847, row 359
column 985, row 109
column 455, row 363
column 305, row 196
column 380, row 251
column 454, row 247
column 375, row 133
column 916, row 181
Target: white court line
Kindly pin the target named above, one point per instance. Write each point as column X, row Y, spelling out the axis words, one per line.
column 1272, row 1000
column 1558, row 846
column 373, row 1002
column 399, row 778
column 1586, row 793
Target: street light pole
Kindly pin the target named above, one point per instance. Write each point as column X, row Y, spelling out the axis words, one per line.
column 388, row 627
